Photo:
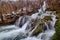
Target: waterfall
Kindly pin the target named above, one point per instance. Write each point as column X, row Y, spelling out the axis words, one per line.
column 23, row 29
column 18, row 21
column 25, row 25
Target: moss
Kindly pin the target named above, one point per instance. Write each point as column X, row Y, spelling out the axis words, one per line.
column 57, row 28
column 38, row 29
column 57, row 11
column 54, row 37
column 57, row 14
column 47, row 18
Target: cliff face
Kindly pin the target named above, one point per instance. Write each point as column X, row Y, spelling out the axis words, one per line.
column 23, row 7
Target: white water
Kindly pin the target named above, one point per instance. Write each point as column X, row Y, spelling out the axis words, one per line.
column 22, row 34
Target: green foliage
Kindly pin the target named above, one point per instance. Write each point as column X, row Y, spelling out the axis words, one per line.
column 38, row 29
column 47, row 18
column 54, row 37
column 57, row 28
column 57, row 11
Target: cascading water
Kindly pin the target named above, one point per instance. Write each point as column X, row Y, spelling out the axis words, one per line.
column 22, row 29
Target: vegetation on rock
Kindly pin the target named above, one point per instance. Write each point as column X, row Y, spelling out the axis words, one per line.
column 57, row 28
column 38, row 29
column 47, row 18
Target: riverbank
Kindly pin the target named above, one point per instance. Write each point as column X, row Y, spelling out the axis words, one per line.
column 57, row 27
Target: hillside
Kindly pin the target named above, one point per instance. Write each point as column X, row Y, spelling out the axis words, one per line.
column 13, row 9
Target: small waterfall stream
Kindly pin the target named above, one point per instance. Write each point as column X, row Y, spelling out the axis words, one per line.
column 23, row 29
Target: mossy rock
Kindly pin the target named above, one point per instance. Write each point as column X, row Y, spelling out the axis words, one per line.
column 38, row 29
column 57, row 28
column 57, row 11
column 48, row 18
column 54, row 37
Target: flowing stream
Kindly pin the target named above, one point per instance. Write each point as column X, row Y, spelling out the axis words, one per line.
column 23, row 27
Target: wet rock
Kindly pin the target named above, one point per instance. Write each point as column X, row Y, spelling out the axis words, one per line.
column 38, row 29
column 33, row 23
